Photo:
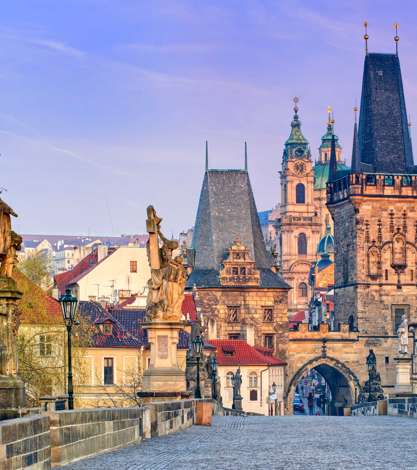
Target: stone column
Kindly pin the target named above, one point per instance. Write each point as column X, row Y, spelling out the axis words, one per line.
column 12, row 390
column 163, row 377
column 403, row 375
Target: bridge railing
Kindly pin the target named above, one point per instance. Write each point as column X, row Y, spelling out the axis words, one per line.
column 60, row 437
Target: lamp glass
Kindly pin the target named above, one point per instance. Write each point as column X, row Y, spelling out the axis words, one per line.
column 68, row 306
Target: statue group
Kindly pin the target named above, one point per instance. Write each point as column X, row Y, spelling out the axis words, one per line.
column 10, row 241
column 167, row 282
column 372, row 390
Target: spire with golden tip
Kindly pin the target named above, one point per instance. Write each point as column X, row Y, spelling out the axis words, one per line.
column 366, row 37
column 396, row 37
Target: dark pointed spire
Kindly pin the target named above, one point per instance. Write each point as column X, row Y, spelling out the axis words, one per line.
column 396, row 37
column 206, row 155
column 246, row 156
column 333, row 160
column 356, row 158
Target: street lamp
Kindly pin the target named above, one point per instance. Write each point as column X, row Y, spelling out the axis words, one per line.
column 69, row 312
column 198, row 346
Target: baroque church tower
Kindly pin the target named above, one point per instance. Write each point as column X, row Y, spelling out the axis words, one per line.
column 299, row 223
column 374, row 209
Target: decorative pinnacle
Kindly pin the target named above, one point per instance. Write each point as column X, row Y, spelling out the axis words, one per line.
column 329, row 114
column 206, row 155
column 366, row 36
column 355, row 111
column 396, row 37
column 296, row 100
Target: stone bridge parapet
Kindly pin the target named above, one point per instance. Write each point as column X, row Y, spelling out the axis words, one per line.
column 57, row 438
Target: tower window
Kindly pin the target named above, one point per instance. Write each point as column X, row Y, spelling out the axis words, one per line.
column 300, row 194
column 302, row 244
column 302, row 289
column 268, row 314
column 269, row 341
column 233, row 314
column 386, row 274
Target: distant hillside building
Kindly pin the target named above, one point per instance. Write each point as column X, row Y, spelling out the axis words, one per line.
column 237, row 289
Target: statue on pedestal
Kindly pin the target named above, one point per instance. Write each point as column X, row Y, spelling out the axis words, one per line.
column 10, row 242
column 237, row 397
column 168, row 275
column 372, row 389
column 402, row 333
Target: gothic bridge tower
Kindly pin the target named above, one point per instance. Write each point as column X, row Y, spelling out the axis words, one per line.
column 374, row 209
column 299, row 222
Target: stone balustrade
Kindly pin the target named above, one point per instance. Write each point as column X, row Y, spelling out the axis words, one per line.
column 60, row 437
column 404, row 406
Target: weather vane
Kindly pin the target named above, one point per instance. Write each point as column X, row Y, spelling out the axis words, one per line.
column 366, row 36
column 329, row 114
column 396, row 37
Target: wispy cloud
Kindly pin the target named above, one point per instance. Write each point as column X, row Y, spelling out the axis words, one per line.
column 57, row 46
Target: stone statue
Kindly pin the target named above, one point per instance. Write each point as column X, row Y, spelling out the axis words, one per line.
column 168, row 276
column 372, row 390
column 237, row 383
column 10, row 242
column 402, row 333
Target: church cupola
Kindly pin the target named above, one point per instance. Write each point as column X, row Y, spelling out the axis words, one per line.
column 296, row 146
column 326, row 140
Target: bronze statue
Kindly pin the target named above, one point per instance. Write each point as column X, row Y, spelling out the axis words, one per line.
column 10, row 242
column 168, row 277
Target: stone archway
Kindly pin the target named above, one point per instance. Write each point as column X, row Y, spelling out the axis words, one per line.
column 344, row 384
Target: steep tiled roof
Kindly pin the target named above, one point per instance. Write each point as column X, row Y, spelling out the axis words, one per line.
column 127, row 331
column 227, row 212
column 237, row 352
column 62, row 280
column 188, row 307
column 384, row 139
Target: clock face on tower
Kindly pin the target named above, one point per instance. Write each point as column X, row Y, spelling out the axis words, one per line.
column 299, row 168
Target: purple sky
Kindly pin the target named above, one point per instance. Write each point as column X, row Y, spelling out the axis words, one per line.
column 105, row 105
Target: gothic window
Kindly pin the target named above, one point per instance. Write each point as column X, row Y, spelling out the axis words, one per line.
column 253, row 395
column 243, row 271
column 229, row 379
column 399, row 251
column 302, row 289
column 233, row 314
column 253, row 380
column 268, row 314
column 300, row 194
column 269, row 341
column 373, row 261
column 302, row 244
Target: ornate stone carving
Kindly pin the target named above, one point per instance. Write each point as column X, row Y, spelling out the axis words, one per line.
column 168, row 276
column 239, row 268
column 10, row 242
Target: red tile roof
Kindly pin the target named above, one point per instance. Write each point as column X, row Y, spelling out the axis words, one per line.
column 298, row 317
column 62, row 280
column 188, row 307
column 237, row 352
column 53, row 308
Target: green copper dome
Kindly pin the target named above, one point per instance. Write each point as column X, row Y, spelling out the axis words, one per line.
column 326, row 244
column 326, row 140
column 322, row 171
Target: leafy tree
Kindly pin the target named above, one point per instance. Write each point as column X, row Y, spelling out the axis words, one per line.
column 38, row 268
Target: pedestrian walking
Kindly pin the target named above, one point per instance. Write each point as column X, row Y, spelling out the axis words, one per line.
column 310, row 404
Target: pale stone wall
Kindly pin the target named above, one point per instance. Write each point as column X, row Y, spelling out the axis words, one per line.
column 265, row 377
column 113, row 274
column 214, row 305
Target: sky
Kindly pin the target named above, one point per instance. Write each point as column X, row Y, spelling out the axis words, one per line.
column 105, row 105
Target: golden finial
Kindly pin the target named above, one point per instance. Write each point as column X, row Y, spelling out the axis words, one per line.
column 396, row 37
column 366, row 36
column 355, row 110
column 329, row 114
column 296, row 100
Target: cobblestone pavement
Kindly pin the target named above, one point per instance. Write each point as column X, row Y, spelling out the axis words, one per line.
column 297, row 442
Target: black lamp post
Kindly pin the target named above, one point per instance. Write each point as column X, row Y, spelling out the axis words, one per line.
column 413, row 328
column 198, row 346
column 69, row 312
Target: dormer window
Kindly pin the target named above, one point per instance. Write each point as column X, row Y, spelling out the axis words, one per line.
column 106, row 328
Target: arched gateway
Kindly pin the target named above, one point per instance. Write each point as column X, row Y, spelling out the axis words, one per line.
column 343, row 383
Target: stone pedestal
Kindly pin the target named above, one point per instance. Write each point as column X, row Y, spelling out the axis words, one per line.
column 403, row 375
column 12, row 390
column 237, row 403
column 163, row 375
